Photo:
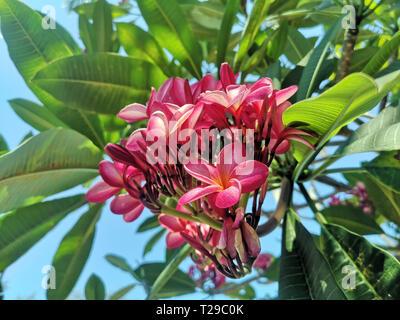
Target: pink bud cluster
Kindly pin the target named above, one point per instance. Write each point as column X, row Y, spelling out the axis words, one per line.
column 361, row 194
column 156, row 163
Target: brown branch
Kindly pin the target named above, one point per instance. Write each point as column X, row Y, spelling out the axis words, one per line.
column 277, row 216
column 339, row 186
column 350, row 39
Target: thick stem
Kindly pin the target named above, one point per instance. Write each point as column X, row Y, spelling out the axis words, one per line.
column 350, row 39
column 277, row 216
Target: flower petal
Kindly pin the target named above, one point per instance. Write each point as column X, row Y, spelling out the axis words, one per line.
column 226, row 75
column 133, row 112
column 171, row 223
column 284, row 94
column 230, row 196
column 134, row 214
column 251, row 238
column 124, row 203
column 198, row 193
column 202, row 171
column 101, row 192
column 251, row 174
column 110, row 174
column 174, row 240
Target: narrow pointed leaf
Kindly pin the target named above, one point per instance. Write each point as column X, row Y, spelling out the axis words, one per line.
column 153, row 241
column 313, row 67
column 122, row 292
column 224, row 34
column 140, row 44
column 94, row 289
column 168, row 272
column 169, row 26
column 22, row 228
column 253, row 23
column 73, row 252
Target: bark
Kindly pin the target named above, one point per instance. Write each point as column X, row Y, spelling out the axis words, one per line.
column 350, row 39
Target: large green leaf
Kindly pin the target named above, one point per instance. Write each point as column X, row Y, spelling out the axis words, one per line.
column 386, row 169
column 102, row 26
column 94, row 289
column 31, row 48
column 352, row 218
column 169, row 26
column 336, row 107
column 253, row 23
column 35, row 115
column 51, row 162
column 224, row 34
column 22, row 228
column 383, row 55
column 139, row 44
column 102, row 82
column 376, row 272
column 297, row 46
column 87, row 9
column 313, row 67
column 180, row 283
column 379, row 134
column 73, row 252
column 304, row 273
column 3, row 145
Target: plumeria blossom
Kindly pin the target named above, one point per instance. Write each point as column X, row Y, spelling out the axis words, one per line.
column 226, row 181
column 113, row 182
column 165, row 160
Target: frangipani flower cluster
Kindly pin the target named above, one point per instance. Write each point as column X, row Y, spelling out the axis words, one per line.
column 171, row 159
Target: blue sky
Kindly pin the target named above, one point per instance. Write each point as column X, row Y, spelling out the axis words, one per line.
column 23, row 278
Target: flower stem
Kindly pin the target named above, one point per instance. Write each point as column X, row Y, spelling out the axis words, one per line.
column 200, row 218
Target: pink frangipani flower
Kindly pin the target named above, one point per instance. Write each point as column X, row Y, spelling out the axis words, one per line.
column 227, row 180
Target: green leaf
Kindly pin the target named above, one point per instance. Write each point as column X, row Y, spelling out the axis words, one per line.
column 224, row 34
column 252, row 27
column 87, row 9
column 121, row 263
column 297, row 46
column 361, row 57
column 102, row 26
column 51, row 162
column 339, row 105
column 141, row 44
column 352, row 218
column 153, row 240
column 148, row 224
column 94, row 289
column 310, row 72
column 122, row 292
column 102, row 82
column 304, row 273
column 3, row 144
column 386, row 169
column 31, row 48
column 379, row 134
column 383, row 55
column 73, row 252
column 377, row 273
column 169, row 26
column 169, row 274
column 36, row 116
column 22, row 228
column 245, row 292
column 179, row 282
